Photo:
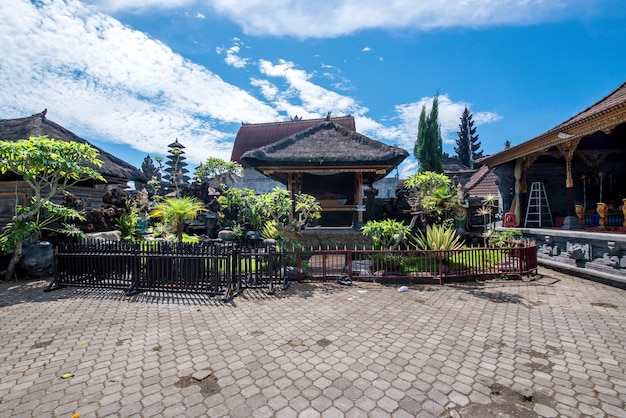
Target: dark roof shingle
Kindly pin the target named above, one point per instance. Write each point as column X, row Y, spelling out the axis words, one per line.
column 252, row 136
column 38, row 125
column 326, row 144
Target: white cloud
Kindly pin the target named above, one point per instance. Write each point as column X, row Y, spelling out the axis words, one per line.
column 200, row 16
column 332, row 18
column 268, row 90
column 108, row 82
column 233, row 59
column 105, row 80
column 311, row 98
column 232, row 54
column 366, row 49
column 140, row 5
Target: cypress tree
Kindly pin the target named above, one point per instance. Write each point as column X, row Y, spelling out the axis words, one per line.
column 467, row 144
column 421, row 135
column 429, row 144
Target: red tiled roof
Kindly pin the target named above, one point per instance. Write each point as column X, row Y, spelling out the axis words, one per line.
column 482, row 183
column 255, row 135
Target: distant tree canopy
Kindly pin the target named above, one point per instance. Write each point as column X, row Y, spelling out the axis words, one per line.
column 215, row 167
column 429, row 144
column 467, row 144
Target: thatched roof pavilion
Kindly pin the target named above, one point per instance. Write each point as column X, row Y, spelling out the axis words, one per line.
column 328, row 161
column 113, row 169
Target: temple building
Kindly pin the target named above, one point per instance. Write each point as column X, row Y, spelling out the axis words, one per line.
column 564, row 189
column 576, row 166
column 325, row 158
column 13, row 191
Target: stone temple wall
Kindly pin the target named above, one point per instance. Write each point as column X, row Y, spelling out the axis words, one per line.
column 600, row 255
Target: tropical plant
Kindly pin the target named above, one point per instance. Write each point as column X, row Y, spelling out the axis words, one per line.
column 48, row 167
column 485, row 212
column 386, row 234
column 504, row 239
column 163, row 231
column 430, row 196
column 438, row 237
column 128, row 225
column 307, row 208
column 270, row 231
column 241, row 206
column 277, row 206
column 46, row 220
column 173, row 212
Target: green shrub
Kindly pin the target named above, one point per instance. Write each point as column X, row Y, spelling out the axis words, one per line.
column 386, row 234
column 504, row 239
column 438, row 237
column 128, row 225
column 389, row 262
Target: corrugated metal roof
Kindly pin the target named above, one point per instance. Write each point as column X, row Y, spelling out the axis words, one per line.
column 256, row 135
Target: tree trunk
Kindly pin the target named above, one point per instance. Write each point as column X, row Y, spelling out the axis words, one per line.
column 15, row 259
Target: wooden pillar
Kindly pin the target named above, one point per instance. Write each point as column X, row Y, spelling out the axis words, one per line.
column 290, row 189
column 358, row 195
column 567, row 149
column 290, row 184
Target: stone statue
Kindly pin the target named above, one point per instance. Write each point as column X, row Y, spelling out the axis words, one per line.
column 578, row 251
column 460, row 211
column 580, row 213
column 603, row 211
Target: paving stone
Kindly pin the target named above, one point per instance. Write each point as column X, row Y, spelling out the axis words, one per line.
column 335, row 352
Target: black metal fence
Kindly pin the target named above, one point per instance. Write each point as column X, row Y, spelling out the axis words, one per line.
column 224, row 270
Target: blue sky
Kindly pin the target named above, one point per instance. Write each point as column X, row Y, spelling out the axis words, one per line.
column 131, row 76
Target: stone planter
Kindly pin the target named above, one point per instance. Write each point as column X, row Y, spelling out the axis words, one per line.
column 38, row 259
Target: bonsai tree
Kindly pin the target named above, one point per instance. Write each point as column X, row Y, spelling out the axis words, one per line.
column 430, row 197
column 289, row 215
column 175, row 211
column 216, row 168
column 49, row 167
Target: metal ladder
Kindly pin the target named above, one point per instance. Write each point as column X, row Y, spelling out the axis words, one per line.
column 538, row 212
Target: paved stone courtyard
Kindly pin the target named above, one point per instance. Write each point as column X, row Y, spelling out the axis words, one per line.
column 552, row 347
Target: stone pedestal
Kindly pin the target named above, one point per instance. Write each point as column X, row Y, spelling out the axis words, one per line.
column 571, row 223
